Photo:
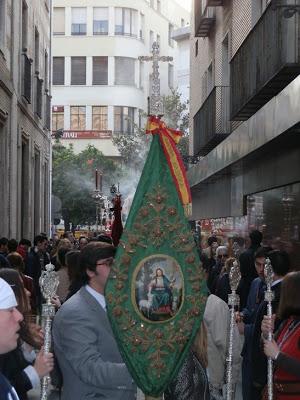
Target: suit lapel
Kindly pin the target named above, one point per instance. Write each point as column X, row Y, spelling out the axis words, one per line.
column 100, row 314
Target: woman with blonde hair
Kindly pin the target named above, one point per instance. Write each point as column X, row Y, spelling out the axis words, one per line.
column 191, row 382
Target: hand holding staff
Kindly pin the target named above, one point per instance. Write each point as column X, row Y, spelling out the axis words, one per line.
column 233, row 300
column 48, row 283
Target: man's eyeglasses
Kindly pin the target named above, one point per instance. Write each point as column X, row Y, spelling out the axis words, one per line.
column 108, row 261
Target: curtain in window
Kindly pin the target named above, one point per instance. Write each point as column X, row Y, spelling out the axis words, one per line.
column 100, row 22
column 118, row 20
column 77, row 117
column 100, row 118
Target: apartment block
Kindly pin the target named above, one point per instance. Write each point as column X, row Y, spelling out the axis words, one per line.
column 25, row 144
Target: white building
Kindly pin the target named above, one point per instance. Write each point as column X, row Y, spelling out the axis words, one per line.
column 182, row 60
column 100, row 86
column 24, row 118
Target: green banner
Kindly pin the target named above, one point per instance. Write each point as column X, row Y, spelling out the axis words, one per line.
column 156, row 292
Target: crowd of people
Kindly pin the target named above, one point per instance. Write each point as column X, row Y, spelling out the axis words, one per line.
column 86, row 362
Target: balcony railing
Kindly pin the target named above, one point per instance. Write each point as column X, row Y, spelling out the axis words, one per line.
column 47, row 110
column 267, row 61
column 211, row 123
column 205, row 17
column 39, row 97
column 26, row 84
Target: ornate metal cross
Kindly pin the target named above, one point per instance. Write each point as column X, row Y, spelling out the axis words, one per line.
column 156, row 104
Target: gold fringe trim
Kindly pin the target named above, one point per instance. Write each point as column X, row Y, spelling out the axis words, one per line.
column 188, row 210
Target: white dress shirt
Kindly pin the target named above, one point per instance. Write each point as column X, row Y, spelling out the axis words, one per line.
column 98, row 296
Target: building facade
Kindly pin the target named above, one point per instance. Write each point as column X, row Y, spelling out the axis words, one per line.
column 99, row 84
column 245, row 87
column 24, row 118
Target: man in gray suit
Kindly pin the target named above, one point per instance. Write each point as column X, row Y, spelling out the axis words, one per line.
column 84, row 344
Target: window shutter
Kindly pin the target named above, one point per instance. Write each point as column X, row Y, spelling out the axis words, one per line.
column 58, row 70
column 78, row 70
column 59, row 21
column 100, row 71
column 124, row 71
column 78, row 15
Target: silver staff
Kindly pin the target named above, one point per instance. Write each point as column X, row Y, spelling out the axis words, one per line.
column 48, row 283
column 269, row 295
column 233, row 301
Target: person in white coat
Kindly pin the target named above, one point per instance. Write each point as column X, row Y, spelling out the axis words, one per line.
column 217, row 321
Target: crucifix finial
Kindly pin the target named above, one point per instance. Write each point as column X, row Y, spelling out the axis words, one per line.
column 156, row 104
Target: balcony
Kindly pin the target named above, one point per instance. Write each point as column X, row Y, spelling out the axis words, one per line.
column 211, row 123
column 267, row 61
column 205, row 17
column 26, row 87
column 214, row 3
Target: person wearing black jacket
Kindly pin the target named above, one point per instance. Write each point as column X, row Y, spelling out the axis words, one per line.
column 280, row 265
column 247, row 267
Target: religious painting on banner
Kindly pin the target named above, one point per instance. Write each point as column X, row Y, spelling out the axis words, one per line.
column 156, row 291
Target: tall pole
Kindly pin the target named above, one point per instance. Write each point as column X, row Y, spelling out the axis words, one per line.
column 268, row 272
column 233, row 301
column 48, row 283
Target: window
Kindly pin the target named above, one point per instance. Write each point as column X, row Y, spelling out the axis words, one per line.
column 58, row 21
column 100, row 21
column 58, row 70
column 152, row 3
column 36, row 50
column 142, row 27
column 141, row 80
column 125, row 21
column 57, row 118
column 100, row 70
column 124, row 71
column 151, row 40
column 78, row 21
column 46, row 71
column 24, row 25
column 196, row 48
column 77, row 117
column 210, row 78
column 171, row 76
column 182, row 22
column 171, row 41
column 123, row 119
column 2, row 23
column 158, row 5
column 158, row 39
column 78, row 71
column 100, row 118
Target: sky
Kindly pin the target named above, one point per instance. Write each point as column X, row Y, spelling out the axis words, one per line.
column 185, row 3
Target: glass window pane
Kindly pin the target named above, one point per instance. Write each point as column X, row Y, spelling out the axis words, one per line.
column 117, row 119
column 118, row 20
column 100, row 22
column 127, row 20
